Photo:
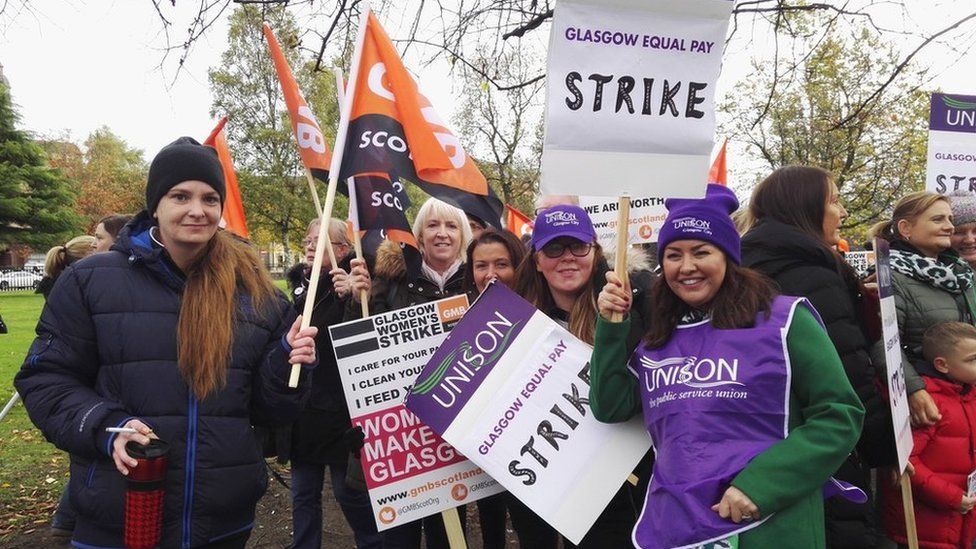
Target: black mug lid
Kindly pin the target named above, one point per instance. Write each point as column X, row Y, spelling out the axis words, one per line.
column 155, row 449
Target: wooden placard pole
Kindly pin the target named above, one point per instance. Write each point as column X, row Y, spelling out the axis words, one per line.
column 906, row 498
column 340, row 146
column 623, row 236
column 357, row 240
column 452, row 524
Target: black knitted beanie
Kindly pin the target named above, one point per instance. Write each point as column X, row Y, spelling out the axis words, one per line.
column 183, row 160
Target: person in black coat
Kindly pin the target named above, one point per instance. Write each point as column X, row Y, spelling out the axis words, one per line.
column 796, row 218
column 176, row 333
column 316, row 441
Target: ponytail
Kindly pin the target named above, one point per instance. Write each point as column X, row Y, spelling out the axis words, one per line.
column 59, row 257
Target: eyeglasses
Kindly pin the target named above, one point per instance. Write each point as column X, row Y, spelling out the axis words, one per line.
column 555, row 250
column 307, row 243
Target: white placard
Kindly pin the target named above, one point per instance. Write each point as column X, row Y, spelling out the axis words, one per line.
column 410, row 471
column 951, row 162
column 647, row 216
column 630, row 96
column 895, row 371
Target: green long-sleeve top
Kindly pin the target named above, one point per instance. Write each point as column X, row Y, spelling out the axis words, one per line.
column 825, row 421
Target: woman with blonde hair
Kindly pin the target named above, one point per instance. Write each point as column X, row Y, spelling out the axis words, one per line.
column 931, row 284
column 176, row 333
column 443, row 234
column 59, row 257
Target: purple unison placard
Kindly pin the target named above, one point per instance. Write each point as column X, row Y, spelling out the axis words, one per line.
column 460, row 364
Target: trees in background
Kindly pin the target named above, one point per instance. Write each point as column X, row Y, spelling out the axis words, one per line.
column 36, row 200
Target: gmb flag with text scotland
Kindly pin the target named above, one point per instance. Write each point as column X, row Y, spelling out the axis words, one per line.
column 393, row 129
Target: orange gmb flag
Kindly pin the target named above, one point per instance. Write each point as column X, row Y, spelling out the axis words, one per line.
column 393, row 129
column 232, row 217
column 517, row 222
column 311, row 143
column 719, row 174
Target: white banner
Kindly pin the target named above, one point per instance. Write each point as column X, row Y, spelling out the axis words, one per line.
column 510, row 390
column 647, row 215
column 630, row 96
column 410, row 471
column 860, row 260
column 952, row 144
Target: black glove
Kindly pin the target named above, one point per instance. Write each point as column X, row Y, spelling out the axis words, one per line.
column 354, row 439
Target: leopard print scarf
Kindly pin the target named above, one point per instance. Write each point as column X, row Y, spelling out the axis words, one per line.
column 946, row 273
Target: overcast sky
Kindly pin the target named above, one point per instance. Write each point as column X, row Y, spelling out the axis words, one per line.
column 75, row 65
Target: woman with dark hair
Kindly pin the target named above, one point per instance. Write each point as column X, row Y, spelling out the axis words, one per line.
column 931, row 284
column 562, row 276
column 796, row 213
column 743, row 395
column 107, row 230
column 176, row 333
column 492, row 255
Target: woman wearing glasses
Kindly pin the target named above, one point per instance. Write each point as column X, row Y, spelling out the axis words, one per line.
column 562, row 277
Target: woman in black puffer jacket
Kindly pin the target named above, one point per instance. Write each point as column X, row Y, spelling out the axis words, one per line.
column 177, row 333
column 797, row 214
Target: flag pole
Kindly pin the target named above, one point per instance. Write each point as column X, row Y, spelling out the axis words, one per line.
column 318, row 211
column 357, row 240
column 340, row 146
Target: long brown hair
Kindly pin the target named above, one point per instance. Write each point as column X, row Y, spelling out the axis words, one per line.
column 797, row 196
column 531, row 284
column 744, row 294
column 205, row 334
column 909, row 208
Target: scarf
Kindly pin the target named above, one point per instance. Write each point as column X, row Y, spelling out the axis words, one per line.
column 435, row 277
column 946, row 272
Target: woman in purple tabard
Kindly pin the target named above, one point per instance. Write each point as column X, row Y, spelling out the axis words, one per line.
column 742, row 392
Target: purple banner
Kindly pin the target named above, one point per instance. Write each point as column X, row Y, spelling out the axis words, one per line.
column 460, row 364
column 953, row 113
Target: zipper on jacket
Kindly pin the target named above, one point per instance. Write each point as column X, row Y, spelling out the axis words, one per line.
column 191, row 451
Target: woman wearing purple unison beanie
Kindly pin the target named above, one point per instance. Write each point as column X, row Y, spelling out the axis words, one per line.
column 177, row 333
column 562, row 276
column 742, row 393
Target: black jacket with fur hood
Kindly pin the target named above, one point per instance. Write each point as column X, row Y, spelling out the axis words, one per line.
column 391, row 290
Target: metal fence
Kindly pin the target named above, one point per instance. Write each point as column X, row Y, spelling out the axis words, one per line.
column 12, row 279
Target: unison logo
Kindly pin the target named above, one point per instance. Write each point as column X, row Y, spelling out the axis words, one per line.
column 692, row 223
column 458, row 368
column 690, row 371
column 959, row 113
column 562, row 217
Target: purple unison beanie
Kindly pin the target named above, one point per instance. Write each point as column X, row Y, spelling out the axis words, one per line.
column 702, row 219
column 562, row 220
column 963, row 205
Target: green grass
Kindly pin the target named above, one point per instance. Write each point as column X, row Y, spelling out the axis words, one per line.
column 32, row 471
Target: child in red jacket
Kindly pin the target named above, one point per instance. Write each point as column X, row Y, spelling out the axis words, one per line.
column 943, row 455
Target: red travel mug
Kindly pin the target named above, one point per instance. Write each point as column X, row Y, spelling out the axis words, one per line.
column 145, row 490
